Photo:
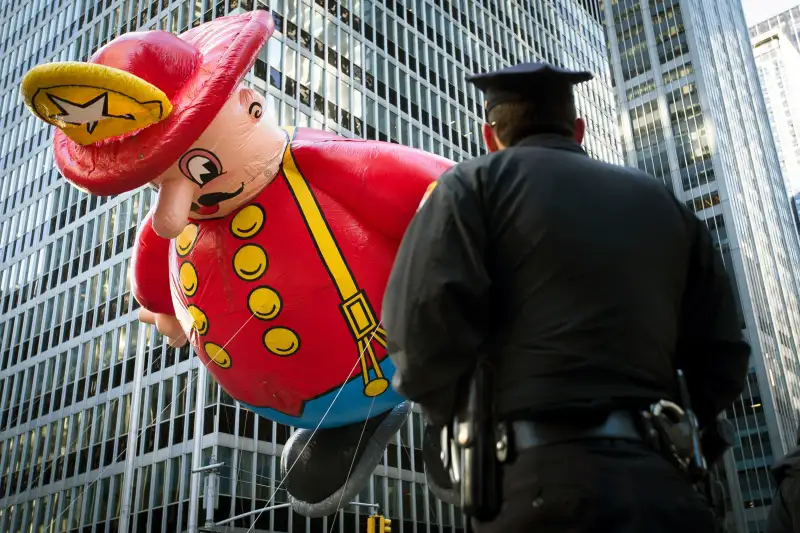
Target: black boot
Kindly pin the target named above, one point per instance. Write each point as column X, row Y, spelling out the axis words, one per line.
column 437, row 476
column 317, row 481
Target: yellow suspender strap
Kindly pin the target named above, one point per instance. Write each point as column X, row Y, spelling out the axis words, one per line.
column 354, row 304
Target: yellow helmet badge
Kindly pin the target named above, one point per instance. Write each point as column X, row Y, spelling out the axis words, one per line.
column 91, row 102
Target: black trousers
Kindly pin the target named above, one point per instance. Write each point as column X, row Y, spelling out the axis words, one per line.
column 597, row 487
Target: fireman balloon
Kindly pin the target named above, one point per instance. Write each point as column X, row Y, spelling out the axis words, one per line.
column 268, row 247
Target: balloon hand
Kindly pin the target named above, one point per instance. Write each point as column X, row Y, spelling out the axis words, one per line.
column 167, row 325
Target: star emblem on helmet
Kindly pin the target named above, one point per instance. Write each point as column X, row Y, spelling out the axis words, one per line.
column 88, row 113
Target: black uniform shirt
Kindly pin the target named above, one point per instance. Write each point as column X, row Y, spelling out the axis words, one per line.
column 583, row 282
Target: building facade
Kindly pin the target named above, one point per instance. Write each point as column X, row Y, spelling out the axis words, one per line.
column 101, row 422
column 778, row 63
column 692, row 114
column 788, row 21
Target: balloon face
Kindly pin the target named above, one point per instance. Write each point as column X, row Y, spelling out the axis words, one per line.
column 232, row 161
column 226, row 164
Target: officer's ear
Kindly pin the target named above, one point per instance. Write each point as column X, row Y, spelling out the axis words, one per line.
column 489, row 137
column 580, row 130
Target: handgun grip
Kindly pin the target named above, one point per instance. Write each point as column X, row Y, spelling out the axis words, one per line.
column 481, row 489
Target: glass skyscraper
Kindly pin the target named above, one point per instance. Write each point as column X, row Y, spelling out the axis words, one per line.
column 101, row 422
column 778, row 63
column 693, row 115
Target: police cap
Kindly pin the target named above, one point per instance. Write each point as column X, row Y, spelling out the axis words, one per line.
column 526, row 82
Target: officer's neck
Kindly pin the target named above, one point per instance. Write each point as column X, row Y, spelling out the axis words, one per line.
column 576, row 134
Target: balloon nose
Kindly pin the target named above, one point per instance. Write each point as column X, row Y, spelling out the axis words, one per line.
column 172, row 207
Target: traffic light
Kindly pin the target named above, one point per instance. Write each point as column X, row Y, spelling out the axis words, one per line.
column 379, row 524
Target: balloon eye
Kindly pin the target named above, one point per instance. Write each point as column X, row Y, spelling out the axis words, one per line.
column 255, row 110
column 201, row 166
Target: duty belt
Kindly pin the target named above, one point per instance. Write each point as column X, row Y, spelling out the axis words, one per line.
column 619, row 425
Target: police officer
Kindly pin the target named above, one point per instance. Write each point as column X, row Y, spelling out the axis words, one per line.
column 585, row 285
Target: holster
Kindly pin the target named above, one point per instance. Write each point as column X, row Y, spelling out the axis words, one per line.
column 716, row 439
column 672, row 432
column 471, row 448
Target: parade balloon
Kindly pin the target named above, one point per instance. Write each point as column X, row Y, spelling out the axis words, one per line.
column 268, row 248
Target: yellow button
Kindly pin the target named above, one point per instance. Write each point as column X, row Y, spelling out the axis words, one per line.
column 200, row 321
column 281, row 341
column 250, row 262
column 189, row 280
column 248, row 222
column 264, row 303
column 185, row 241
column 218, row 354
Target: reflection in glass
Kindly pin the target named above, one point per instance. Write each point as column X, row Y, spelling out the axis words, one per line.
column 289, row 115
column 330, row 86
column 306, row 16
column 263, row 475
column 174, row 478
column 318, row 25
column 289, row 62
column 343, row 46
column 244, row 472
column 275, row 52
column 344, row 95
column 225, row 455
column 305, row 71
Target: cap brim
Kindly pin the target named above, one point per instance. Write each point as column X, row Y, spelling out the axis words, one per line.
column 61, row 92
column 525, row 73
column 229, row 47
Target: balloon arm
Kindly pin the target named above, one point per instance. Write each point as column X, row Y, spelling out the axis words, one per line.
column 150, row 270
column 381, row 184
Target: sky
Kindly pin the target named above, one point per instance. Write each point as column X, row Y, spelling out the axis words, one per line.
column 756, row 11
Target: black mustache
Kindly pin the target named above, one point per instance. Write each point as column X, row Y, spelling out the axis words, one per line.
column 214, row 198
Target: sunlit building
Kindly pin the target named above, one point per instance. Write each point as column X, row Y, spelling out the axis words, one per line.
column 692, row 114
column 778, row 62
column 788, row 22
